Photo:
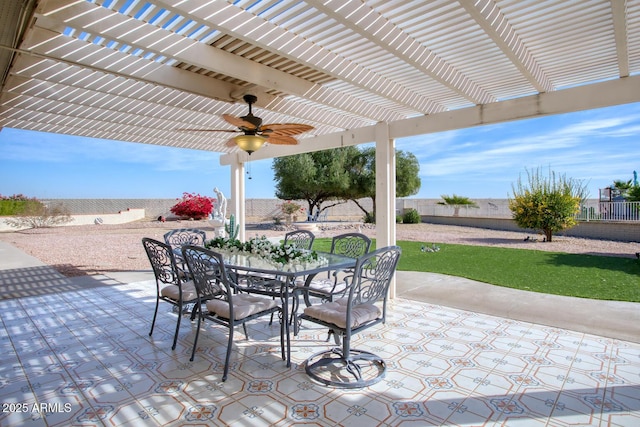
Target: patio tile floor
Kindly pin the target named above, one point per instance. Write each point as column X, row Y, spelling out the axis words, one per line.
column 84, row 357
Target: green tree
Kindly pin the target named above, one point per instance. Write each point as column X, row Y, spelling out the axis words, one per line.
column 363, row 178
column 621, row 188
column 546, row 203
column 633, row 195
column 457, row 202
column 316, row 177
column 339, row 175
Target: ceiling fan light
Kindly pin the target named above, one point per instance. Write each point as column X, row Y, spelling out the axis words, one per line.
column 249, row 143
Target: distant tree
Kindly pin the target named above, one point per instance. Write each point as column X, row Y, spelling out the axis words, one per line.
column 621, row 188
column 457, row 202
column 339, row 175
column 316, row 177
column 363, row 178
column 547, row 203
column 633, row 195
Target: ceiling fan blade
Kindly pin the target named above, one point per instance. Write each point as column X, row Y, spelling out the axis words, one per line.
column 238, row 122
column 280, row 139
column 207, row 130
column 286, row 128
column 230, row 143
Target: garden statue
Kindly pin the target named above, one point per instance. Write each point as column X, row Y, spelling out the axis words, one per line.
column 217, row 218
column 220, row 209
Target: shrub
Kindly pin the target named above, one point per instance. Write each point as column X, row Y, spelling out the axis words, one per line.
column 290, row 208
column 547, row 203
column 17, row 204
column 193, row 206
column 32, row 213
column 411, row 217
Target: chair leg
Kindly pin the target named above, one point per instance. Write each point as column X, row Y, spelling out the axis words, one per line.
column 195, row 340
column 155, row 314
column 246, row 334
column 329, row 333
column 336, row 339
column 193, row 312
column 228, row 356
column 175, row 336
column 284, row 357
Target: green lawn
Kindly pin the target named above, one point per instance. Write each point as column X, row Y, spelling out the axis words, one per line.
column 586, row 276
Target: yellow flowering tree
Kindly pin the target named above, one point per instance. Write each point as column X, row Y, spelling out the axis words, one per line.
column 547, row 203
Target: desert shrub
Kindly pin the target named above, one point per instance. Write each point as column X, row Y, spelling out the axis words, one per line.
column 411, row 217
column 32, row 213
column 548, row 203
column 193, row 206
column 17, row 204
column 289, row 208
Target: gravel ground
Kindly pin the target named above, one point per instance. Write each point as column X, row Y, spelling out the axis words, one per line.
column 100, row 249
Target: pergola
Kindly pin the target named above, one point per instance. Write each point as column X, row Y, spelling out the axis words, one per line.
column 358, row 71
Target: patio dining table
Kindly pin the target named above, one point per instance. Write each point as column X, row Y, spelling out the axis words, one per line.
column 261, row 276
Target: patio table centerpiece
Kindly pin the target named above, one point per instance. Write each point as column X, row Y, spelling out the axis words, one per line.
column 277, row 254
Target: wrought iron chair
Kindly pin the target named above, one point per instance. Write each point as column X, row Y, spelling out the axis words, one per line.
column 217, row 300
column 301, row 239
column 352, row 245
column 184, row 236
column 364, row 306
column 170, row 286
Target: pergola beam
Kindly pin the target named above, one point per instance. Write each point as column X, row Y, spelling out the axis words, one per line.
column 598, row 95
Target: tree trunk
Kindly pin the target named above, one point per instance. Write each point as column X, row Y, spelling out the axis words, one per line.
column 548, row 234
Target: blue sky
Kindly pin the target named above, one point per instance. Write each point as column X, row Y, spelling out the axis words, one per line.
column 596, row 146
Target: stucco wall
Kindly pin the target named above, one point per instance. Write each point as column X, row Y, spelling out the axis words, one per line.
column 490, row 213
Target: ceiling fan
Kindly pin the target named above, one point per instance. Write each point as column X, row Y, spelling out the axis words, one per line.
column 255, row 134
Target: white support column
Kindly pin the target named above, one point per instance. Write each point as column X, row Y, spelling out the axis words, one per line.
column 238, row 196
column 385, row 191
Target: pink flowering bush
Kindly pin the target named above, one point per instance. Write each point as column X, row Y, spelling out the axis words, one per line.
column 193, row 206
column 290, row 208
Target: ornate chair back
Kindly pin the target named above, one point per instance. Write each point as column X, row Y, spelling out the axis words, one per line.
column 301, row 239
column 170, row 286
column 357, row 311
column 185, row 236
column 353, row 245
column 216, row 295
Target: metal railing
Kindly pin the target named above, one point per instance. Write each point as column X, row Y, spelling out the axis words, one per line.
column 610, row 211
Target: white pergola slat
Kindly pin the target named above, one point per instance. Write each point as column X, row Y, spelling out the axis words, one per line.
column 382, row 61
column 357, row 70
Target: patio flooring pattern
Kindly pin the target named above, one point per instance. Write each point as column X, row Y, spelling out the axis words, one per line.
column 84, row 357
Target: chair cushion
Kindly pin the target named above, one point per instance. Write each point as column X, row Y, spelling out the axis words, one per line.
column 326, row 286
column 336, row 312
column 173, row 291
column 244, row 305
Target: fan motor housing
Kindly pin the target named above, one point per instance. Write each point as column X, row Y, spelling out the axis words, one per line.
column 256, row 121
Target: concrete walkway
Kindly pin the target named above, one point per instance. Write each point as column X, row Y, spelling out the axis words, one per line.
column 613, row 319
column 23, row 275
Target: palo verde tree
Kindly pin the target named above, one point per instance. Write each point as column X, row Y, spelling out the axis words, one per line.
column 363, row 178
column 316, row 177
column 547, row 203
